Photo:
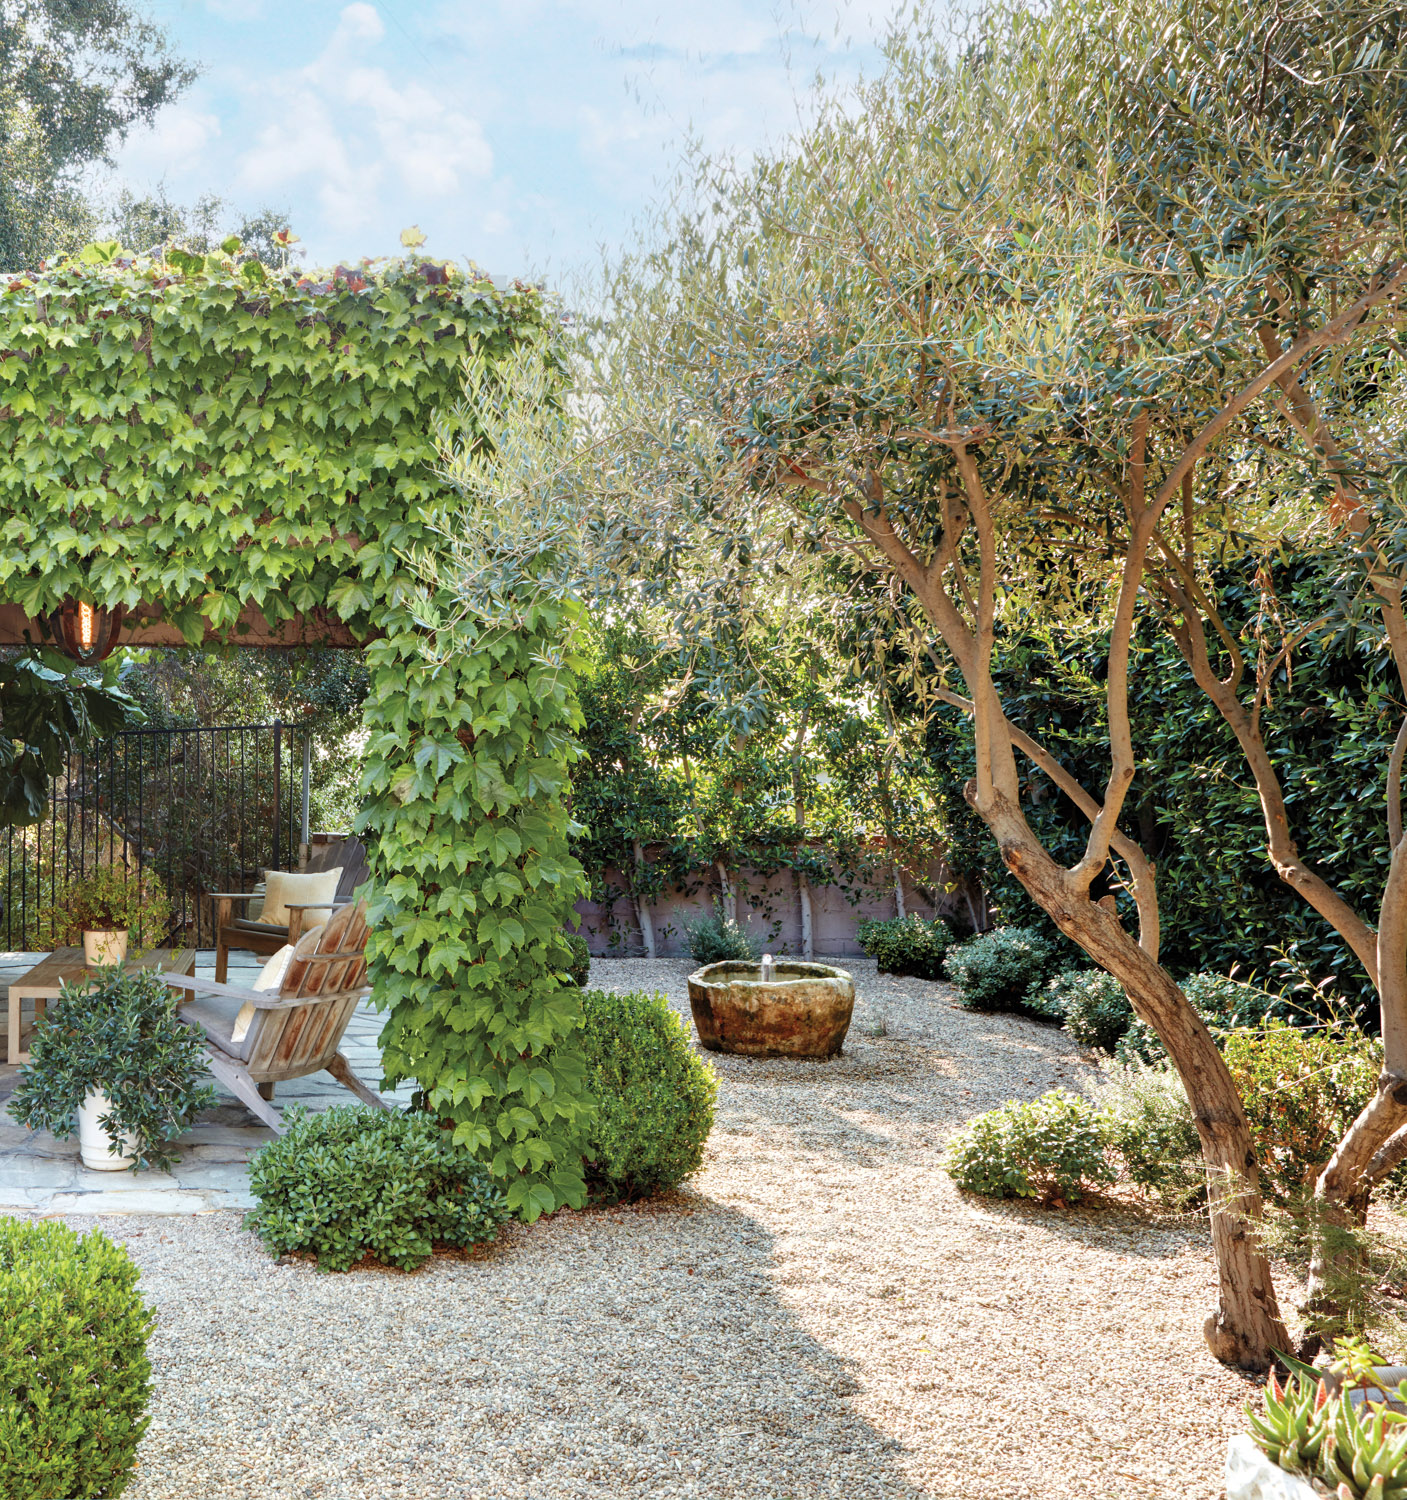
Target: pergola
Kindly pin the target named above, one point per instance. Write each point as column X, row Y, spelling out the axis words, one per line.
column 231, row 454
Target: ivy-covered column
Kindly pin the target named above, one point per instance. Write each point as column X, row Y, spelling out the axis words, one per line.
column 472, row 731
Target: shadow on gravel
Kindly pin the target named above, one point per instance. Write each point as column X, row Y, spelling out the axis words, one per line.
column 1125, row 1228
column 696, row 1361
column 635, row 1352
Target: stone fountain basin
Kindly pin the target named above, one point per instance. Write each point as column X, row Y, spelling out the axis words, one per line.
column 803, row 1010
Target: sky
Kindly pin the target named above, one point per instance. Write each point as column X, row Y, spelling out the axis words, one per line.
column 526, row 135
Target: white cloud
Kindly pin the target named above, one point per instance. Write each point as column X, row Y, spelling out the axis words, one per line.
column 523, row 133
column 182, row 136
column 343, row 130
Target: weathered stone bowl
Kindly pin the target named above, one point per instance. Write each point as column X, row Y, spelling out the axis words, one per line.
column 803, row 1010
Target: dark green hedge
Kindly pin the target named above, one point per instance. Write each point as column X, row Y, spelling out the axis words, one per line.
column 1329, row 725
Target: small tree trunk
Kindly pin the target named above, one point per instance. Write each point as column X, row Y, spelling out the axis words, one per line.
column 1343, row 1187
column 803, row 895
column 976, row 907
column 730, row 900
column 798, row 803
column 900, row 910
column 642, row 906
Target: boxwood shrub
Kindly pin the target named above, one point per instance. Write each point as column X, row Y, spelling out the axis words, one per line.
column 654, row 1096
column 74, row 1374
column 997, row 970
column 906, row 945
column 353, row 1182
column 1051, row 1148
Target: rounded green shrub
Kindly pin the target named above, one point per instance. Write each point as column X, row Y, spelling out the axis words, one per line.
column 350, row 1183
column 1051, row 1148
column 74, row 1374
column 580, row 966
column 654, row 1096
column 906, row 945
column 998, row 970
column 1090, row 1004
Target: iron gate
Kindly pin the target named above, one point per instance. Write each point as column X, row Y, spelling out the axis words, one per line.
column 205, row 809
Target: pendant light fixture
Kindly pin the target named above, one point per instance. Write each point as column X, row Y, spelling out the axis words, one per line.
column 86, row 632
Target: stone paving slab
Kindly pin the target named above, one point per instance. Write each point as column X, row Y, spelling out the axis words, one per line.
column 42, row 1174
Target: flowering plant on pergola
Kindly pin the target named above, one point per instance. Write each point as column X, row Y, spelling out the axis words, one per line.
column 226, row 452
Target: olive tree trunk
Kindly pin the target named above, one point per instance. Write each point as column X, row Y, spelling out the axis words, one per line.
column 1245, row 1329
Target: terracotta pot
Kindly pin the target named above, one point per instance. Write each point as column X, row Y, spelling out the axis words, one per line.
column 802, row 1010
column 104, row 948
column 93, row 1140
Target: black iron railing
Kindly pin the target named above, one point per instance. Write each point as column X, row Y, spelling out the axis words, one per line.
column 205, row 809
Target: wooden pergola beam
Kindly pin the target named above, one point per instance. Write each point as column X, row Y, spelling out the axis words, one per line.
column 146, row 626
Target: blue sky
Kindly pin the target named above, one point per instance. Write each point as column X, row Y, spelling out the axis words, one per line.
column 520, row 133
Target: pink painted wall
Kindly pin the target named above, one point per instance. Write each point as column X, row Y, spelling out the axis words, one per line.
column 762, row 901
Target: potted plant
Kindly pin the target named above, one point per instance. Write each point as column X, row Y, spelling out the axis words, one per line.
column 1334, row 1431
column 101, row 909
column 112, row 1059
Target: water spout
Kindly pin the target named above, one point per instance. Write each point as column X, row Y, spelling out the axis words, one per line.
column 768, row 968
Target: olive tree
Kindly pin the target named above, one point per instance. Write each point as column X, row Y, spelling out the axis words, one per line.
column 1036, row 325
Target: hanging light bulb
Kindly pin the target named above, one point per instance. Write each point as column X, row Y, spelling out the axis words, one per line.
column 86, row 632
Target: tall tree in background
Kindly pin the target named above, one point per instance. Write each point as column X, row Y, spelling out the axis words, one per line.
column 75, row 75
column 144, row 223
column 1032, row 329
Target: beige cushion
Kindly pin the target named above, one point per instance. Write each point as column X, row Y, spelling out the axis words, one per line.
column 254, row 909
column 281, row 887
column 270, row 977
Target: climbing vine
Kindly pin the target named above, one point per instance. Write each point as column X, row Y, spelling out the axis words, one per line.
column 206, row 434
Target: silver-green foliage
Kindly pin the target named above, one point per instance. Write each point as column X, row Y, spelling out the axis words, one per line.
column 1147, row 1123
column 74, row 1373
column 1051, row 1148
column 654, row 1095
column 717, row 938
column 351, row 1183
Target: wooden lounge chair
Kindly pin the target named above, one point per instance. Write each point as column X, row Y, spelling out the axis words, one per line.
column 236, row 930
column 256, row 1038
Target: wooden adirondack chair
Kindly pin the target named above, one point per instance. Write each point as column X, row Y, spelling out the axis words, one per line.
column 235, row 930
column 256, row 1038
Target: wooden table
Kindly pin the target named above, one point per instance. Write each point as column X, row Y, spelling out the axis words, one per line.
column 66, row 966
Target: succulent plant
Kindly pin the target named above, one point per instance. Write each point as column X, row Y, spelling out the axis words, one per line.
column 1311, row 1426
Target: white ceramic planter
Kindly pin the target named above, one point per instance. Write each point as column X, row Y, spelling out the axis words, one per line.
column 1250, row 1475
column 93, row 1140
column 104, row 948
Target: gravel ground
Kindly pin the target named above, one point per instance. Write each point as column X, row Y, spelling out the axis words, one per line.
column 819, row 1315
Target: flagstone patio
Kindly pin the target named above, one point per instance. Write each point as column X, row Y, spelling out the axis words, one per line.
column 38, row 1172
